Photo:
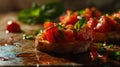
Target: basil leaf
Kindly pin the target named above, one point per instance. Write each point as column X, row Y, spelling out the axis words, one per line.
column 29, row 16
column 80, row 24
column 50, row 11
column 40, row 13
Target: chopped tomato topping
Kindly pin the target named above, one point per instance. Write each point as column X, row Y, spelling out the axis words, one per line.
column 91, row 23
column 103, row 25
column 92, row 13
column 48, row 25
column 51, row 33
column 69, row 35
column 70, row 18
column 54, row 35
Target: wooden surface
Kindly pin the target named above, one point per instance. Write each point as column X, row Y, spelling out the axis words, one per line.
column 14, row 50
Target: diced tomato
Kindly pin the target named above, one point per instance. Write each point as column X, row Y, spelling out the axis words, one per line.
column 70, row 18
column 54, row 35
column 103, row 25
column 91, row 23
column 88, row 12
column 62, row 18
column 13, row 27
column 92, row 12
column 48, row 25
column 94, row 54
column 69, row 35
column 70, row 26
column 51, row 33
column 44, row 35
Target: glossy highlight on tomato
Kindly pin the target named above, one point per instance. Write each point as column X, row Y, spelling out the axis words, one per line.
column 12, row 27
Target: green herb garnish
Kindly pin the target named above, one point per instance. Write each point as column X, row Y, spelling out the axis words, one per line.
column 41, row 13
column 80, row 24
column 38, row 31
column 28, row 37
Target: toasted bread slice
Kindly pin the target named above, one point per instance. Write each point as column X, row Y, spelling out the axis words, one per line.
column 61, row 48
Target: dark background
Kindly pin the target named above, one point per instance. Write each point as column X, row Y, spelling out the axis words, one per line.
column 104, row 5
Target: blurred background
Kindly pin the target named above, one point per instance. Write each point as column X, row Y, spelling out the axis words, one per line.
column 104, row 5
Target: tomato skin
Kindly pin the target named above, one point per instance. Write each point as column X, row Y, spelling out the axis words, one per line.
column 69, row 18
column 51, row 33
column 91, row 23
column 62, row 18
column 48, row 25
column 72, row 20
column 13, row 27
column 103, row 25
column 88, row 12
column 43, row 35
column 69, row 35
